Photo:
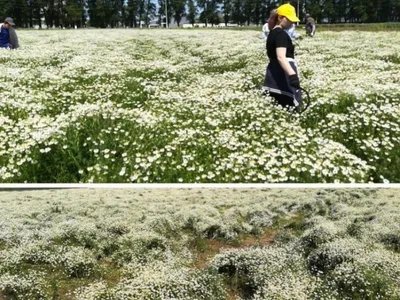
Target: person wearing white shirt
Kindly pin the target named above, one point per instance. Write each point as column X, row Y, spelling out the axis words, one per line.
column 265, row 31
column 292, row 32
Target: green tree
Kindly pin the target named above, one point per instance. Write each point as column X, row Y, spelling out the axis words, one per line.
column 210, row 11
column 179, row 9
column 192, row 12
column 132, row 9
column 161, row 10
column 227, row 10
column 237, row 12
column 248, row 10
column 329, row 11
column 73, row 13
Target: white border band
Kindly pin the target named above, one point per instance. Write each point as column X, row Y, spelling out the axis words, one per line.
column 195, row 185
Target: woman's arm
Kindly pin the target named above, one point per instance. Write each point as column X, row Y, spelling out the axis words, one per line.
column 281, row 55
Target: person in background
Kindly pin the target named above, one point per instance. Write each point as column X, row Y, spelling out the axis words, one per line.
column 310, row 25
column 267, row 26
column 8, row 36
column 265, row 31
column 281, row 78
column 292, row 32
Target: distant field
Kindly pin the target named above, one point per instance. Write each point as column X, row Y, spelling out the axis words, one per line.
column 211, row 244
column 360, row 27
column 326, row 27
column 185, row 106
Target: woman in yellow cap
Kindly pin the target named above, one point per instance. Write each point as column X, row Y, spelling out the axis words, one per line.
column 281, row 79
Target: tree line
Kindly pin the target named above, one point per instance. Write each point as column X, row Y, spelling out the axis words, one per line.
column 133, row 13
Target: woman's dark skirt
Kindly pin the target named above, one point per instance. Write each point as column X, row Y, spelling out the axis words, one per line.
column 277, row 83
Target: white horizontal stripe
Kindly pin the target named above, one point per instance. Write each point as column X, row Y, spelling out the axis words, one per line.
column 23, row 186
column 278, row 91
column 295, row 102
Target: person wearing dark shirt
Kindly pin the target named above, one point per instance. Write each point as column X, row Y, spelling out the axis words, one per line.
column 281, row 79
column 8, row 36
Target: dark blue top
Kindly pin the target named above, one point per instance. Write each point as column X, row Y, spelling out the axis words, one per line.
column 4, row 37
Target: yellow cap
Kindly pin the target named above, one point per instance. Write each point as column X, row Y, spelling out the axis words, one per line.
column 288, row 11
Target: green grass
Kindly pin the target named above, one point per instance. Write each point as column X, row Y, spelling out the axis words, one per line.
column 345, row 105
column 392, row 58
column 364, row 287
column 359, row 27
column 60, row 286
column 392, row 241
